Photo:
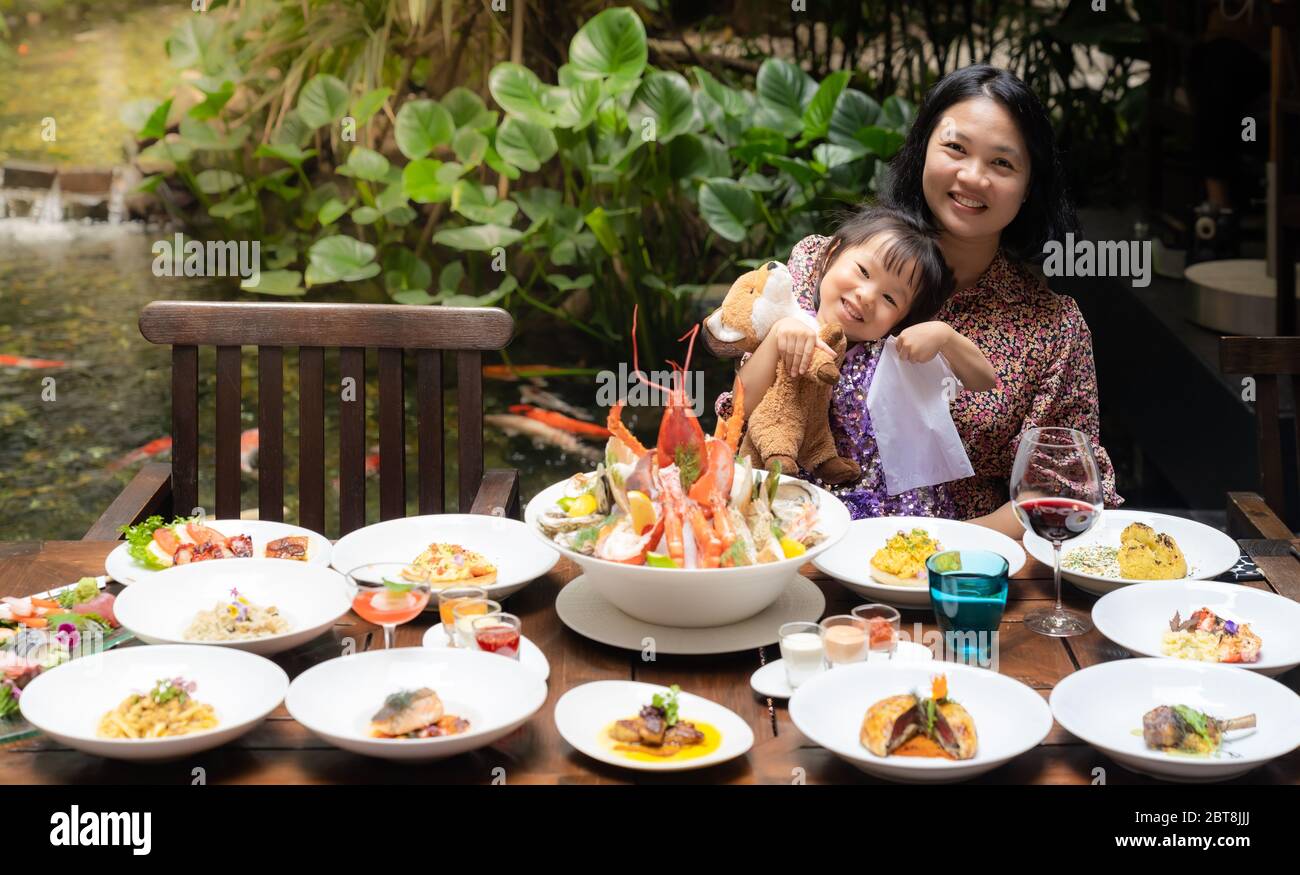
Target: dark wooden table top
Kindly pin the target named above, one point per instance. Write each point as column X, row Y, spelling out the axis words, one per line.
column 282, row 752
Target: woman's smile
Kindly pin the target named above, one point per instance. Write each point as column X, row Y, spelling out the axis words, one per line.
column 966, row 202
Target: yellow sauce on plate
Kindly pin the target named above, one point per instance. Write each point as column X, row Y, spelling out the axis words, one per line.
column 712, row 741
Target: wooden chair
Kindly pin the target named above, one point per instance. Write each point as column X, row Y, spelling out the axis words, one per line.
column 1265, row 359
column 391, row 328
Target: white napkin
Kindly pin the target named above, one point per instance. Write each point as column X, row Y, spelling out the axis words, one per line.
column 908, row 403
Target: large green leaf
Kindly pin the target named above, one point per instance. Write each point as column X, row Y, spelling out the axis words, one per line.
column 611, row 44
column 853, row 111
column 574, row 106
column 340, row 259
column 729, row 100
column 147, row 118
column 525, row 145
column 365, row 106
column 240, row 202
column 286, row 152
column 729, row 209
column 213, row 101
column 784, row 90
column 167, row 151
column 191, row 44
column 422, row 126
column 217, row 181
column 405, row 271
column 478, row 238
column 508, row 285
column 479, row 203
column 332, row 210
column 365, row 164
column 275, row 282
column 896, row 113
column 422, row 183
column 817, row 116
column 323, row 100
column 470, row 147
column 598, row 221
column 665, row 98
column 204, row 137
column 463, row 104
column 520, row 93
column 881, row 142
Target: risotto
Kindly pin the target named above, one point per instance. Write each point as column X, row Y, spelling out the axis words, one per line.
column 235, row 620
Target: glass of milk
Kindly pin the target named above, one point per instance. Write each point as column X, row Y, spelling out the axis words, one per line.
column 801, row 652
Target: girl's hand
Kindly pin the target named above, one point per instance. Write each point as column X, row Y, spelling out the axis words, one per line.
column 796, row 341
column 922, row 342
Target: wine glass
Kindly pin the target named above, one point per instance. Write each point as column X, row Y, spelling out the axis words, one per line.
column 380, row 595
column 1056, row 492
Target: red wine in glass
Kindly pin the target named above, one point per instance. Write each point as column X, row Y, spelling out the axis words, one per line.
column 1057, row 519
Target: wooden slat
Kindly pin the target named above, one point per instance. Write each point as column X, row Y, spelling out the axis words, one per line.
column 270, row 433
column 429, row 433
column 498, row 494
column 185, row 428
column 392, row 435
column 1269, row 442
column 148, row 493
column 213, row 323
column 1250, row 517
column 352, row 439
column 311, row 438
column 1278, row 564
column 1259, row 355
column 469, row 424
column 229, row 385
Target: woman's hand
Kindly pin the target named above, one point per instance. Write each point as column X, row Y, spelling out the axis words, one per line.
column 922, row 342
column 796, row 342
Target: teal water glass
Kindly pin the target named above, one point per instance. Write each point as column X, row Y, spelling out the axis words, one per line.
column 968, row 590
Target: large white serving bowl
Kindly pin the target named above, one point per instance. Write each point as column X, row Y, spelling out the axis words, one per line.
column 121, row 567
column 504, row 542
column 1209, row 552
column 311, row 598
column 849, row 561
column 1136, row 618
column 337, row 698
column 67, row 703
column 1010, row 717
column 1103, row 705
column 692, row 597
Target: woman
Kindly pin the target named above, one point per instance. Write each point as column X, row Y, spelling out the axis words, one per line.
column 980, row 165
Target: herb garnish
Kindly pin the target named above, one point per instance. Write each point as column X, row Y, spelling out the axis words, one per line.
column 667, row 704
column 172, row 688
column 688, row 462
column 1194, row 719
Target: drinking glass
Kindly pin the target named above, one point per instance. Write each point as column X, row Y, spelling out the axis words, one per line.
column 801, row 652
column 1056, row 492
column 464, row 614
column 968, row 589
column 448, row 599
column 844, row 640
column 883, row 623
column 498, row 633
column 381, row 596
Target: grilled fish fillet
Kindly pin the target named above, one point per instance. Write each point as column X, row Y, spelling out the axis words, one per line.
column 407, row 711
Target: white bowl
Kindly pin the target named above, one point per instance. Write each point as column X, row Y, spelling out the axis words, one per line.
column 1103, row 705
column 1010, row 717
column 311, row 598
column 849, row 561
column 68, row 702
column 504, row 542
column 1136, row 618
column 121, row 567
column 584, row 713
column 1209, row 552
column 691, row 597
column 337, row 698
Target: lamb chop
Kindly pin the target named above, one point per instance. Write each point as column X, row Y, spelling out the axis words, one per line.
column 1179, row 729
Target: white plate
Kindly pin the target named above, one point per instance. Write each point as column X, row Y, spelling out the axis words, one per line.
column 530, row 655
column 1136, row 618
column 849, row 561
column 121, row 567
column 584, row 713
column 67, row 703
column 1209, row 552
column 1131, row 687
column 1010, row 718
column 771, row 680
column 504, row 542
column 310, row 598
column 337, row 698
column 691, row 597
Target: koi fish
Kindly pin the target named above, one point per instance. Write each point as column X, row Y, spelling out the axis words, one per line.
column 541, row 433
column 513, row 373
column 31, row 364
column 560, row 421
column 249, row 443
column 530, row 394
column 155, row 447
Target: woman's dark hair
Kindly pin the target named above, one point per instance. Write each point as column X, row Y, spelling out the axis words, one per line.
column 914, row 242
column 1047, row 213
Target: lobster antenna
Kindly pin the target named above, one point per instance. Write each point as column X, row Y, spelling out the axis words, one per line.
column 636, row 366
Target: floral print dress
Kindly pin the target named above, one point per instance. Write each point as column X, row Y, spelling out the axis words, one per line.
column 1039, row 346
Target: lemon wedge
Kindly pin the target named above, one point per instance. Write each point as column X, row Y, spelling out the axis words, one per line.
column 792, row 548
column 583, row 505
column 642, row 510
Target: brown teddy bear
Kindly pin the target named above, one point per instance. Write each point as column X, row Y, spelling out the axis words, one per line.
column 791, row 424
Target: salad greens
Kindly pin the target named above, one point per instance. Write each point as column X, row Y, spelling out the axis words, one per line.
column 139, row 536
column 85, row 590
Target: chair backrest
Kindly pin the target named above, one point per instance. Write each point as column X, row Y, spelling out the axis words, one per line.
column 313, row 328
column 1266, row 359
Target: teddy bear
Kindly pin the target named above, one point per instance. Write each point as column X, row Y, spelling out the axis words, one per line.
column 791, row 424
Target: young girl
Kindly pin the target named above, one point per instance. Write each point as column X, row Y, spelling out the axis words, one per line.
column 881, row 273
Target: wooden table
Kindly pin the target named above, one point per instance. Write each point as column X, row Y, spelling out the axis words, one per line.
column 282, row 752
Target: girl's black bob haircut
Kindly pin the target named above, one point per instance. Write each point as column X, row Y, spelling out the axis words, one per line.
column 914, row 242
column 1047, row 214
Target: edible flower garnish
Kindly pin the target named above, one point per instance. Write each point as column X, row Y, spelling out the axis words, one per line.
column 172, row 688
column 9, row 694
column 237, row 607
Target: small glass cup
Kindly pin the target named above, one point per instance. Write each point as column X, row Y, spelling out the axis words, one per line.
column 968, row 589
column 448, row 599
column 380, row 595
column 883, row 623
column 844, row 640
column 464, row 614
column 498, row 633
column 801, row 652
